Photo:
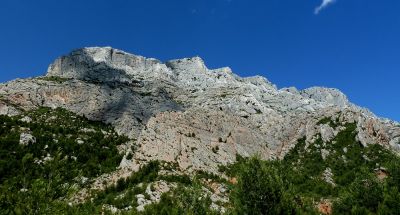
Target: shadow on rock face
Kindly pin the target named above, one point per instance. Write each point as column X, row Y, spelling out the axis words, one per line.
column 100, row 91
column 130, row 108
column 91, row 65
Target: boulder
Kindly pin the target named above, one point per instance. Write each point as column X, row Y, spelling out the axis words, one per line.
column 26, row 139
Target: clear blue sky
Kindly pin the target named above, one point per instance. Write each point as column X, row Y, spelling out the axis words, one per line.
column 353, row 45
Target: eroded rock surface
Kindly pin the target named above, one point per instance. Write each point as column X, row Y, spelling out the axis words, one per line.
column 181, row 111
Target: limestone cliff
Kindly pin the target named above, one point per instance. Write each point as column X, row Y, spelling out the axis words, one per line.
column 181, row 111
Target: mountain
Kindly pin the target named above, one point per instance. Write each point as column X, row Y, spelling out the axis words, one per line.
column 182, row 113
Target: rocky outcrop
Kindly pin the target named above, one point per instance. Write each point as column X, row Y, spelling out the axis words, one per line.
column 326, row 95
column 154, row 192
column 9, row 110
column 26, row 139
column 107, row 65
column 181, row 111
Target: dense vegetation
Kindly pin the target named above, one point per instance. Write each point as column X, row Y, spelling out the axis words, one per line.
column 70, row 151
column 56, row 79
column 186, row 198
column 63, row 158
column 355, row 187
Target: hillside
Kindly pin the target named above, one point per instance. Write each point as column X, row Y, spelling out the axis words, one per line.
column 108, row 131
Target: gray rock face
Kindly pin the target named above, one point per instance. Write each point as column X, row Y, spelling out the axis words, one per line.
column 181, row 111
column 326, row 95
column 106, row 65
column 6, row 109
column 327, row 133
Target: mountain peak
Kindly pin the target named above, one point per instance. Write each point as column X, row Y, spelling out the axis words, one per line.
column 192, row 64
column 103, row 64
column 328, row 95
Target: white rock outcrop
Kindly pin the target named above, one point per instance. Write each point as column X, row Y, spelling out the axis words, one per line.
column 26, row 119
column 26, row 139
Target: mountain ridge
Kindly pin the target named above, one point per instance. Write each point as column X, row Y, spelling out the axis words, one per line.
column 199, row 65
column 178, row 128
column 143, row 98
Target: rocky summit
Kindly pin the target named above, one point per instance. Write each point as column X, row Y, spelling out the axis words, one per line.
column 184, row 113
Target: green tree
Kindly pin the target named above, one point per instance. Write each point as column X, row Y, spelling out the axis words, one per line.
column 260, row 190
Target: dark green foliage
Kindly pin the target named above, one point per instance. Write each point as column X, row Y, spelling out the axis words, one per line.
column 329, row 121
column 369, row 195
column 233, row 169
column 303, row 169
column 145, row 93
column 353, row 166
column 393, row 167
column 215, row 149
column 291, row 186
column 130, row 156
column 122, row 194
column 182, row 179
column 188, row 198
column 391, row 200
column 167, row 206
column 54, row 79
column 325, row 120
column 183, row 200
column 260, row 190
column 206, row 175
column 346, row 165
column 364, row 194
column 28, row 183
